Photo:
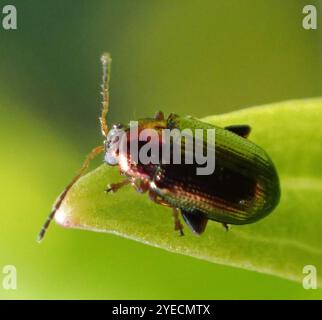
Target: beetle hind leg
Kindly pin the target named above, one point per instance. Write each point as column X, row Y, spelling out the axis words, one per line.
column 242, row 130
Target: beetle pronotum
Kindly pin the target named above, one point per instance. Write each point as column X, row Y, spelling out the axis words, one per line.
column 243, row 188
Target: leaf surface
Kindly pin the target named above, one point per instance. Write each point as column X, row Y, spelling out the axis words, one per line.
column 281, row 244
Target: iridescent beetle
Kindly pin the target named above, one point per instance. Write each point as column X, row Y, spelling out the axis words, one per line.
column 243, row 188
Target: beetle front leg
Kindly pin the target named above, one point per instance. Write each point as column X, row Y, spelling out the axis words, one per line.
column 113, row 187
column 140, row 185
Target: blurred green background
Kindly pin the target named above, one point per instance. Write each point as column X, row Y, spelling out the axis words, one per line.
column 188, row 57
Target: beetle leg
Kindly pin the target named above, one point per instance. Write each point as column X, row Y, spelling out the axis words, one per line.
column 225, row 225
column 177, row 224
column 242, row 130
column 140, row 185
column 113, row 187
column 157, row 199
column 159, row 115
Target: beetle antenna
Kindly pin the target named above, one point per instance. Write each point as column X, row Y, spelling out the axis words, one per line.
column 96, row 151
column 106, row 64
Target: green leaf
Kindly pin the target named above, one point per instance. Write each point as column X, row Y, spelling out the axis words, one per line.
column 280, row 244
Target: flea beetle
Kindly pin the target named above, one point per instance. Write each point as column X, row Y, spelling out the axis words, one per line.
column 243, row 188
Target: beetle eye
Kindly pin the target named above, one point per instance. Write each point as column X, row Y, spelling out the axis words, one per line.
column 112, row 142
column 116, row 139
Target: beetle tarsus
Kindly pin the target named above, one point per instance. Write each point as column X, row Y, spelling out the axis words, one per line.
column 226, row 226
column 113, row 187
column 177, row 224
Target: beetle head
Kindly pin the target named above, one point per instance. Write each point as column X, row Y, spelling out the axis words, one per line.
column 112, row 144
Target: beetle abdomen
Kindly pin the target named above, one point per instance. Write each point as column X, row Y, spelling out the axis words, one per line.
column 226, row 196
column 243, row 188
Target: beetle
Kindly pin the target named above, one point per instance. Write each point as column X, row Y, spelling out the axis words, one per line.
column 243, row 188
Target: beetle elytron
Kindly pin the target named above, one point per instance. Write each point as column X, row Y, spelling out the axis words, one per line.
column 243, row 188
